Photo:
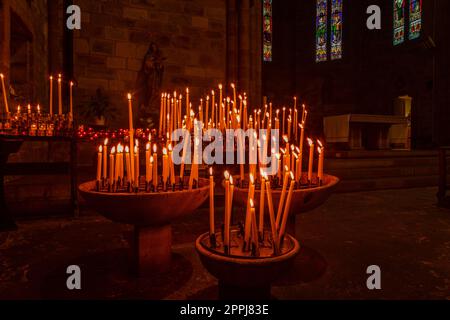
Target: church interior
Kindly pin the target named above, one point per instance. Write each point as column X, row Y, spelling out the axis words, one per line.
column 343, row 191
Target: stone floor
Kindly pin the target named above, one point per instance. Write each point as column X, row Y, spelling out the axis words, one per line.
column 401, row 231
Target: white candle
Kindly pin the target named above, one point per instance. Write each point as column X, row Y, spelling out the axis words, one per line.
column 165, row 173
column 128, row 161
column 136, row 164
column 51, row 96
column 71, row 99
column 226, row 235
column 105, row 155
column 111, row 166
column 321, row 151
column 171, row 166
column 99, row 163
column 5, row 96
column 251, row 193
column 261, row 204
column 59, row 94
column 211, row 202
column 311, row 160
column 286, row 210
column 272, row 218
column 148, row 169
column 282, row 198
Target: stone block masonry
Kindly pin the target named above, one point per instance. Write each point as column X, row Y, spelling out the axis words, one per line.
column 115, row 35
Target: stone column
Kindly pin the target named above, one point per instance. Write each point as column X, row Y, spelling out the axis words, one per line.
column 54, row 47
column 232, row 43
column 5, row 34
column 244, row 46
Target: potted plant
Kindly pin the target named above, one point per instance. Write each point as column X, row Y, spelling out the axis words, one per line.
column 99, row 109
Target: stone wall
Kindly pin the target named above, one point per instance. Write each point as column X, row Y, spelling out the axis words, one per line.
column 115, row 35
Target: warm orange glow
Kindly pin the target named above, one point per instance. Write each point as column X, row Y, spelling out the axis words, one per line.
column 135, row 149
column 285, row 138
column 292, row 175
column 147, row 146
column 212, row 92
column 71, row 83
column 231, row 179
column 252, row 205
column 278, row 156
column 105, row 142
column 164, row 151
column 129, row 96
column 100, row 149
column 127, row 150
column 319, row 143
column 319, row 150
column 211, row 171
column 187, row 90
column 170, row 147
column 220, row 86
column 310, row 142
column 113, row 150
column 151, row 159
column 1, row 75
column 226, row 175
column 252, row 179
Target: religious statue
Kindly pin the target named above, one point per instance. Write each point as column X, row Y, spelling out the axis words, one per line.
column 148, row 87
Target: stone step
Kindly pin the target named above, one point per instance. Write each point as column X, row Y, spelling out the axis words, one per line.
column 387, row 183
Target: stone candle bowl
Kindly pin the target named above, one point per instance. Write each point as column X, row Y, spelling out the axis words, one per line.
column 151, row 215
column 245, row 277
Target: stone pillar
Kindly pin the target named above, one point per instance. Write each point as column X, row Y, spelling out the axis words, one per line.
column 244, row 46
column 256, row 53
column 232, row 43
column 53, row 35
column 5, row 34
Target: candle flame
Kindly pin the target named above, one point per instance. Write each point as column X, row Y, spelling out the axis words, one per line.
column 147, row 146
column 129, row 96
column 311, row 143
column 212, row 92
column 71, row 83
column 231, row 180
column 292, row 175
column 226, row 175
column 127, row 149
column 220, row 86
column 135, row 149
column 119, row 148
column 164, row 151
column 286, row 168
column 113, row 150
column 295, row 155
column 252, row 205
column 51, row 77
column 151, row 159
column 278, row 156
column 105, row 142
column 292, row 147
column 100, row 149
column 228, row 99
column 285, row 138
column 252, row 179
column 170, row 147
column 210, row 171
column 297, row 149
column 319, row 149
column 187, row 90
column 136, row 142
column 1, row 75
column 319, row 143
column 155, row 148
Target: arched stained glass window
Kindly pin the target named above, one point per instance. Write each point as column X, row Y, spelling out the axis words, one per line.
column 415, row 19
column 321, row 30
column 267, row 30
column 399, row 21
column 336, row 29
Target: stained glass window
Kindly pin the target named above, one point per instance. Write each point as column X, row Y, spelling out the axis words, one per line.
column 267, row 30
column 415, row 19
column 321, row 30
column 399, row 21
column 336, row 29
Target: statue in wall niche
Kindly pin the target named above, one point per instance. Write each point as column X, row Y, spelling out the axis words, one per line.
column 148, row 87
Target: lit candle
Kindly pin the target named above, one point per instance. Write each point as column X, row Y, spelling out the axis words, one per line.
column 105, row 163
column 148, row 169
column 59, row 94
column 194, row 165
column 117, row 170
column 161, row 114
column 211, row 203
column 284, row 120
column 213, row 109
column 165, row 173
column 187, row 106
column 207, row 112
column 251, row 193
column 321, row 151
column 171, row 166
column 272, row 218
column 311, row 160
column 261, row 204
column 128, row 161
column 282, row 198
column 234, row 93
column 226, row 235
column 155, row 166
column 99, row 163
column 254, row 229
column 279, row 168
column 5, row 97
column 136, row 164
column 51, row 95
column 131, row 134
column 286, row 210
column 71, row 99
column 111, row 166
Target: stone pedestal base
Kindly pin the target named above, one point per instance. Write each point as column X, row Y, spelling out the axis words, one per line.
column 152, row 249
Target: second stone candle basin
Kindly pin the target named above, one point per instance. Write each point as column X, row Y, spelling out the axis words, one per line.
column 303, row 200
column 151, row 215
column 245, row 277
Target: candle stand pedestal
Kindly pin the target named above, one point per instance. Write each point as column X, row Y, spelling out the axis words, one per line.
column 240, row 275
column 151, row 215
